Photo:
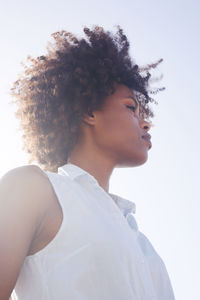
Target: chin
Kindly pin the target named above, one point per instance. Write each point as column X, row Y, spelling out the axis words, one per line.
column 133, row 161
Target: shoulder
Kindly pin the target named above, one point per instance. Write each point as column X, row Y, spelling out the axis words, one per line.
column 30, row 175
column 28, row 185
column 22, row 172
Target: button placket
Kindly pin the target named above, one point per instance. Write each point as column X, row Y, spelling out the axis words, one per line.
column 114, row 211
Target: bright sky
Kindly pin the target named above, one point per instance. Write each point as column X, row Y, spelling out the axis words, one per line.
column 166, row 188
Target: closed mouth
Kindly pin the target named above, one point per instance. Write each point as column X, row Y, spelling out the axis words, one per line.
column 148, row 140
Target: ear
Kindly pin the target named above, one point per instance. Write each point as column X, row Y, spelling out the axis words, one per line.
column 90, row 119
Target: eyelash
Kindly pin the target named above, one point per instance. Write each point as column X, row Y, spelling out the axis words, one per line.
column 131, row 107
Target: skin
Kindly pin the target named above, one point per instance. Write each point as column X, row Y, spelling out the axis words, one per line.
column 111, row 137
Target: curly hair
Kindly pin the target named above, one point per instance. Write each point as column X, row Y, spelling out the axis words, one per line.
column 74, row 77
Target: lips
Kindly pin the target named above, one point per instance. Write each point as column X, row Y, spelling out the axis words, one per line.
column 147, row 138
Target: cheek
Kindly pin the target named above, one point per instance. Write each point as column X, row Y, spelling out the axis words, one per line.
column 119, row 128
column 120, row 136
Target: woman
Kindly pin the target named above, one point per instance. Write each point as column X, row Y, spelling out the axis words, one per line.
column 83, row 108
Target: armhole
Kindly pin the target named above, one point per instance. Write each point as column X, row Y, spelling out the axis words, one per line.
column 52, row 177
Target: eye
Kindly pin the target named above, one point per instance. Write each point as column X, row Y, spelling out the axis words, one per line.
column 133, row 108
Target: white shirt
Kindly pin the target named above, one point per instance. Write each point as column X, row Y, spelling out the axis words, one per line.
column 98, row 253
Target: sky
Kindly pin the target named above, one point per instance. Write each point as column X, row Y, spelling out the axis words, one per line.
column 166, row 188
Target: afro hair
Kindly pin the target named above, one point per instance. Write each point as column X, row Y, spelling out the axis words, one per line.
column 74, row 77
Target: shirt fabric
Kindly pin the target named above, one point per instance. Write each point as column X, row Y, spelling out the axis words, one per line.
column 98, row 252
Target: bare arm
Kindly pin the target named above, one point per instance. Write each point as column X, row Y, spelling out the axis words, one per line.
column 23, row 195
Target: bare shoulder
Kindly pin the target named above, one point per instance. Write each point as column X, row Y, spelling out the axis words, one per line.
column 22, row 172
column 28, row 174
column 30, row 183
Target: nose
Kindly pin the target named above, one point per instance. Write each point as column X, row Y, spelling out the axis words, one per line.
column 146, row 125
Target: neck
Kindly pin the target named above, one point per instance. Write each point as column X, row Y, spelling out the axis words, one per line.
column 94, row 163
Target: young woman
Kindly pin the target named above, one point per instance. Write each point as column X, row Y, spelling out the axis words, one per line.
column 83, row 108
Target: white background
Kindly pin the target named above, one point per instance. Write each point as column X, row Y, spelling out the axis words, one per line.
column 166, row 188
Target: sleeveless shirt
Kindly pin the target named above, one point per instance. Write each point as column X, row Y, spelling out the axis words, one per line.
column 98, row 252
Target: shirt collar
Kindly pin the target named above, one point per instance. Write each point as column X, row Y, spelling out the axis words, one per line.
column 74, row 172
